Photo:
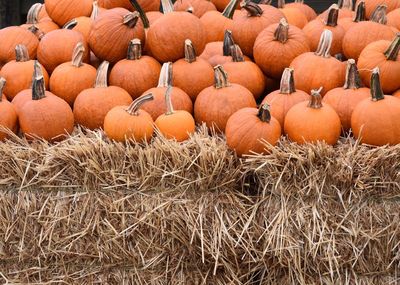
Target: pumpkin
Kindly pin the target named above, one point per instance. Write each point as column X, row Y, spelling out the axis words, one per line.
column 145, row 71
column 247, row 26
column 36, row 26
column 320, row 68
column 92, row 105
column 376, row 120
column 221, row 4
column 130, row 122
column 11, row 37
column 198, row 7
column 345, row 99
column 313, row 121
column 147, row 5
column 277, row 46
column 345, row 10
column 44, row 116
column 71, row 78
column 366, row 32
column 216, row 23
column 178, row 125
column 43, row 14
column 385, row 55
column 18, row 73
column 397, row 94
column 293, row 15
column 393, row 18
column 371, row 5
column 314, row 29
column 192, row 74
column 245, row 73
column 249, row 130
column 180, row 100
column 8, row 115
column 166, row 37
column 359, row 16
column 112, row 31
column 62, row 11
column 215, row 104
column 304, row 8
column 285, row 98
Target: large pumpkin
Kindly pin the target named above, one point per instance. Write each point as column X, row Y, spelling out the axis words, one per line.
column 62, row 11
column 294, row 16
column 371, row 5
column 304, row 8
column 8, row 115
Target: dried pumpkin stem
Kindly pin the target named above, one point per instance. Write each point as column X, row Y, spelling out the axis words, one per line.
column 332, row 17
column 353, row 79
column 282, row 32
column 230, row 9
column 379, row 15
column 376, row 87
column 77, row 56
column 70, row 25
column 131, row 19
column 165, row 79
column 101, row 77
column 95, row 11
column 143, row 16
column 393, row 51
column 33, row 14
column 38, row 84
column 228, row 42
column 316, row 99
column 134, row 50
column 287, row 82
column 2, row 85
column 190, row 52
column 237, row 54
column 252, row 8
column 299, row 1
column 281, row 4
column 133, row 109
column 325, row 44
column 265, row 2
column 168, row 101
column 167, row 6
column 264, row 113
column 346, row 4
column 21, row 53
column 360, row 12
column 221, row 77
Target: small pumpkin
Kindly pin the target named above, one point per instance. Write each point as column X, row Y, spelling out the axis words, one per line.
column 62, row 11
column 294, row 16
column 282, row 100
column 304, row 8
column 371, row 6
column 376, row 120
column 130, row 122
column 359, row 16
column 345, row 99
column 178, row 125
column 215, row 104
column 192, row 74
column 71, row 78
column 144, row 70
column 313, row 121
column 198, row 7
column 277, row 46
column 92, row 105
column 36, row 26
column 8, row 115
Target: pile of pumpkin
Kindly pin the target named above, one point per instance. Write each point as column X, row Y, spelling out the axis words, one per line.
column 214, row 62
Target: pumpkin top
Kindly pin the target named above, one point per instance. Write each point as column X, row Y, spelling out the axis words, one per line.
column 360, row 12
column 353, row 79
column 168, row 101
column 237, row 54
column 95, row 11
column 77, row 55
column 33, row 14
column 393, row 51
column 142, row 13
column 101, row 77
column 264, row 113
column 333, row 15
column 325, row 43
column 220, row 77
column 131, row 19
column 379, row 15
column 376, row 87
column 167, row 6
column 227, row 43
column 287, row 82
column 282, row 31
column 230, row 9
column 133, row 109
column 316, row 99
column 134, row 50
column 165, row 79
column 2, row 85
column 252, row 8
column 346, row 4
column 38, row 84
column 190, row 52
column 21, row 53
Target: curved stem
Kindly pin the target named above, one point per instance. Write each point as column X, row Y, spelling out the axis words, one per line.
column 228, row 42
column 101, row 77
column 168, row 101
column 38, row 84
column 230, row 9
column 360, row 12
column 167, row 6
column 190, row 52
column 131, row 19
column 2, row 84
column 21, row 53
column 325, row 44
column 252, row 8
column 143, row 16
column 236, row 53
column 282, row 32
column 95, row 11
column 165, row 79
column 333, row 14
column 134, row 50
column 70, row 24
column 77, row 56
column 376, row 87
column 33, row 14
column 316, row 99
column 133, row 109
column 379, row 15
column 281, row 4
column 220, row 77
column 393, row 51
column 264, row 113
column 287, row 82
column 353, row 79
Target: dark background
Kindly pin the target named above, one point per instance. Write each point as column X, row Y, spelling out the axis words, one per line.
column 13, row 12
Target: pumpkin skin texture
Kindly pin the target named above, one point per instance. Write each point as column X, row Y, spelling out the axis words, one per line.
column 212, row 49
column 147, row 5
column 393, row 18
column 247, row 26
column 62, row 11
column 8, row 115
column 385, row 55
column 345, row 99
column 295, row 17
column 71, row 78
column 282, row 100
column 145, row 71
column 326, row 71
column 10, row 37
column 215, row 104
column 18, row 73
column 200, row 7
column 304, row 8
column 129, row 122
column 371, row 5
column 58, row 46
column 192, row 74
column 277, row 46
column 247, row 128
column 376, row 121
column 92, row 105
column 310, row 122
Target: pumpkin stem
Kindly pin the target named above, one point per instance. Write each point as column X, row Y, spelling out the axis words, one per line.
column 38, row 85
column 264, row 113
column 393, row 51
column 33, row 14
column 281, row 4
column 95, row 11
column 252, row 8
column 70, row 24
column 379, row 15
column 282, row 32
column 101, row 77
column 230, row 9
column 190, row 52
column 167, row 6
column 168, row 100
column 265, row 2
column 353, row 79
column 346, row 4
column 143, row 16
column 131, row 19
column 133, row 109
column 325, row 43
column 316, row 99
column 134, row 50
column 299, row 1
column 376, row 87
column 21, row 53
column 2, row 84
column 287, row 82
column 165, row 79
column 236, row 53
column 333, row 14
column 77, row 56
column 220, row 77
column 228, row 42
column 360, row 12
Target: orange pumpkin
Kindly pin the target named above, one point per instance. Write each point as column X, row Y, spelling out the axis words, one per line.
column 62, row 11
column 359, row 16
column 8, row 115
column 198, row 7
column 304, row 8
column 371, row 5
column 393, row 18
column 294, row 16
column 345, row 10
column 221, row 4
column 147, row 5
column 36, row 26
column 397, row 94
